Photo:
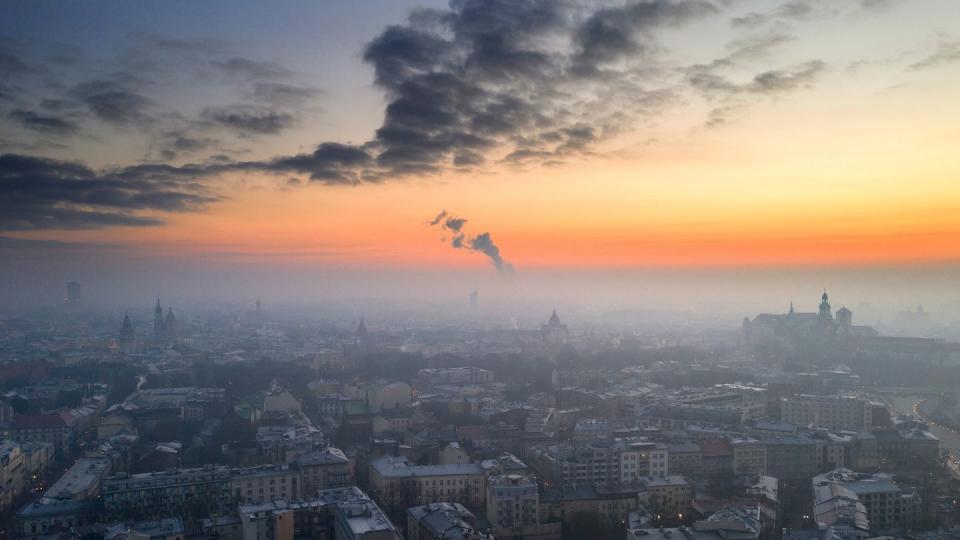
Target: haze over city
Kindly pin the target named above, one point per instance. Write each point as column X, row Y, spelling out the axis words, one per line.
column 609, row 267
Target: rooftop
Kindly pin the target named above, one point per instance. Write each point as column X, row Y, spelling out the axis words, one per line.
column 398, row 467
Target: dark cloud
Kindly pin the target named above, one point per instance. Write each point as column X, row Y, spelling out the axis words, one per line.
column 51, row 125
column 611, row 33
column 38, row 193
column 250, row 119
column 948, row 52
column 177, row 142
column 330, row 163
column 755, row 46
column 539, row 80
column 794, row 11
column 7, row 92
column 782, row 81
column 185, row 143
column 253, row 69
column 481, row 243
column 525, row 80
column 11, row 64
column 282, row 94
column 115, row 100
column 735, row 96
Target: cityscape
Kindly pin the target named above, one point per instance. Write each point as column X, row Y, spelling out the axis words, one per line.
column 480, row 270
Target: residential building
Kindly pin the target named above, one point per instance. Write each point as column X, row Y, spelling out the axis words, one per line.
column 396, row 483
column 888, row 507
column 791, row 458
column 600, row 461
column 749, row 456
column 441, row 521
column 168, row 493
column 670, row 496
column 265, row 483
column 604, row 506
column 512, row 501
column 831, row 412
column 12, row 474
column 324, row 469
column 685, row 458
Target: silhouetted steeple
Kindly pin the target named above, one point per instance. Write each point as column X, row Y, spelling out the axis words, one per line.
column 158, row 321
column 825, row 314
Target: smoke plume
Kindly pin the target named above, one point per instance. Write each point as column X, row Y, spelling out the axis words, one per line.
column 481, row 243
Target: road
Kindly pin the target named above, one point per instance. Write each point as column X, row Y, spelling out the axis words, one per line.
column 949, row 438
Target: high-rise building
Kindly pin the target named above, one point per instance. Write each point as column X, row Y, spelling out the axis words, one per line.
column 74, row 291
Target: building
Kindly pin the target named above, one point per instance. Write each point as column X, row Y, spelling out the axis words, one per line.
column 679, row 416
column 170, row 528
column 836, row 507
column 13, row 474
column 888, row 507
column 363, row 520
column 284, row 444
column 455, row 376
column 37, row 518
column 554, row 332
column 512, row 502
column 54, row 428
column 685, row 458
column 605, row 506
column 791, row 458
column 731, row 523
column 441, row 521
column 168, row 493
column 398, row 484
column 453, row 454
column 670, row 496
column 82, row 481
column 187, row 403
column 749, row 457
column 265, row 483
column 324, row 469
column 74, row 294
column 128, row 339
column 831, row 412
column 908, row 447
column 333, row 514
column 600, row 461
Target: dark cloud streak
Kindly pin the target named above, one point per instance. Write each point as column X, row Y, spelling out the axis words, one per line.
column 38, row 193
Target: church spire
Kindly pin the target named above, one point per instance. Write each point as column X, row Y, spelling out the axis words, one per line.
column 825, row 314
column 158, row 321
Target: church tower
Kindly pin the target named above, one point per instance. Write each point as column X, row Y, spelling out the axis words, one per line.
column 170, row 325
column 126, row 335
column 825, row 314
column 158, row 321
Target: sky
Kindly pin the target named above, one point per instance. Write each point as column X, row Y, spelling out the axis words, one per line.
column 489, row 139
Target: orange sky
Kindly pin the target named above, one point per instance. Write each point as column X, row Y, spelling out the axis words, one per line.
column 862, row 167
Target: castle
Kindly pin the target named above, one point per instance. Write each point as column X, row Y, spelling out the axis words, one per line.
column 794, row 325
